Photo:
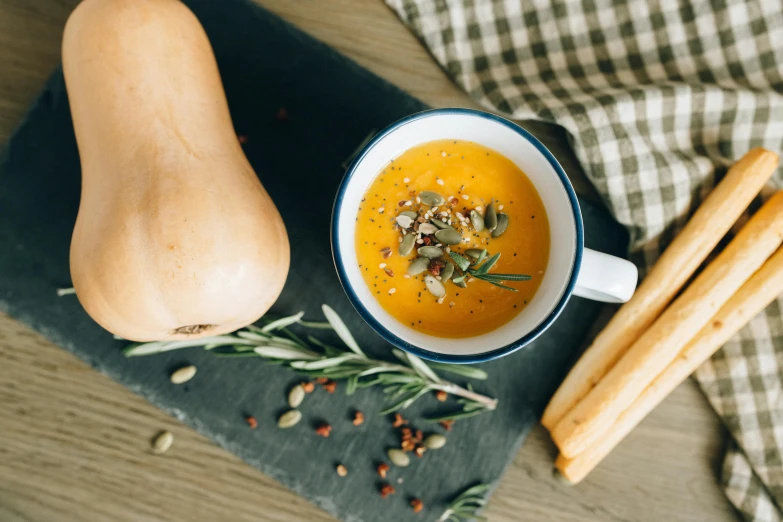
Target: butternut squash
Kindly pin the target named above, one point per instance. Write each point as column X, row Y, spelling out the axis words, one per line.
column 175, row 236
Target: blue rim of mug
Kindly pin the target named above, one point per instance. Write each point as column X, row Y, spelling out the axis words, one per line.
column 384, row 332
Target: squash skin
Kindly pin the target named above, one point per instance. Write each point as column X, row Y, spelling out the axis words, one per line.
column 175, row 236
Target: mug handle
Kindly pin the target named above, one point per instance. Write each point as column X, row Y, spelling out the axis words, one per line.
column 605, row 278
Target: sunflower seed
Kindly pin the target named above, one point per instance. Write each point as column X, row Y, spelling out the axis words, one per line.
column 446, row 272
column 398, row 457
column 182, row 375
column 162, row 442
column 490, row 218
column 430, row 251
column 406, row 246
column 432, row 199
column 404, row 221
column 427, row 228
column 289, row 419
column 434, row 441
column 418, row 266
column 502, row 225
column 477, row 221
column 449, row 236
column 475, row 253
column 434, row 286
column 296, row 396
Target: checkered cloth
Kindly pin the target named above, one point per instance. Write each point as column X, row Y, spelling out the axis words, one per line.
column 659, row 98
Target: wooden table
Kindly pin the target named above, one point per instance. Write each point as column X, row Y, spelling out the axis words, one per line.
column 74, row 444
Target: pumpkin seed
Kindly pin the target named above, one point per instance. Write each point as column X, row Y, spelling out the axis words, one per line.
column 430, row 252
column 476, row 220
column 435, row 441
column 418, row 266
column 446, row 272
column 296, row 396
column 182, row 375
column 502, row 225
column 490, row 218
column 449, row 236
column 410, row 213
column 427, row 229
column 434, row 286
column 162, row 442
column 398, row 457
column 475, row 253
column 289, row 419
column 432, row 199
column 439, row 223
column 404, row 221
column 406, row 246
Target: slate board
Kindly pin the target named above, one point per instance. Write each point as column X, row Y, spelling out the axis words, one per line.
column 333, row 104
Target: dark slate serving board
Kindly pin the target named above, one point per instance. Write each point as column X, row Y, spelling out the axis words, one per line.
column 332, row 105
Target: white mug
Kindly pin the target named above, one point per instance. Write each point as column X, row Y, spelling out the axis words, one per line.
column 572, row 269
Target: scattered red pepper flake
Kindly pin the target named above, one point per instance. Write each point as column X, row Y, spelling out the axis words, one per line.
column 342, row 470
column 386, row 490
column 407, row 434
column 324, row 430
column 441, row 396
column 398, row 420
column 242, row 138
column 330, row 386
column 426, row 240
column 419, row 451
column 321, row 380
column 417, row 505
column 446, row 424
column 408, row 445
column 383, row 469
column 419, row 436
column 281, row 114
column 358, row 418
column 308, row 387
column 252, row 422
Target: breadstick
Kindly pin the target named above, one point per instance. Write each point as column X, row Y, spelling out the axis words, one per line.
column 750, row 300
column 682, row 320
column 707, row 226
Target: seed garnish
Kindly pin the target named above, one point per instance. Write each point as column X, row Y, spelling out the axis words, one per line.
column 162, row 442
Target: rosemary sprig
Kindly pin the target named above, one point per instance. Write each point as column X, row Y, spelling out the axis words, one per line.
column 403, row 382
column 471, row 269
column 466, row 505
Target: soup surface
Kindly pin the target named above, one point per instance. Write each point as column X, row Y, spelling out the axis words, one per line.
column 466, row 177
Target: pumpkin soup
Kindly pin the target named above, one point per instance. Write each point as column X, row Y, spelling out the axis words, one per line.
column 452, row 239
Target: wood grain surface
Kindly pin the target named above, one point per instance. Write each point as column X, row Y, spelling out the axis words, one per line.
column 74, row 446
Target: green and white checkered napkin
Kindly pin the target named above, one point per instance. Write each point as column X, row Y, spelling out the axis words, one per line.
column 659, row 98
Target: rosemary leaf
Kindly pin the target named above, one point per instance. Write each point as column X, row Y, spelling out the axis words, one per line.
column 493, row 282
column 461, row 369
column 282, row 352
column 483, row 269
column 508, row 277
column 422, row 369
column 137, row 349
column 322, row 363
column 461, row 261
column 341, row 330
column 282, row 322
